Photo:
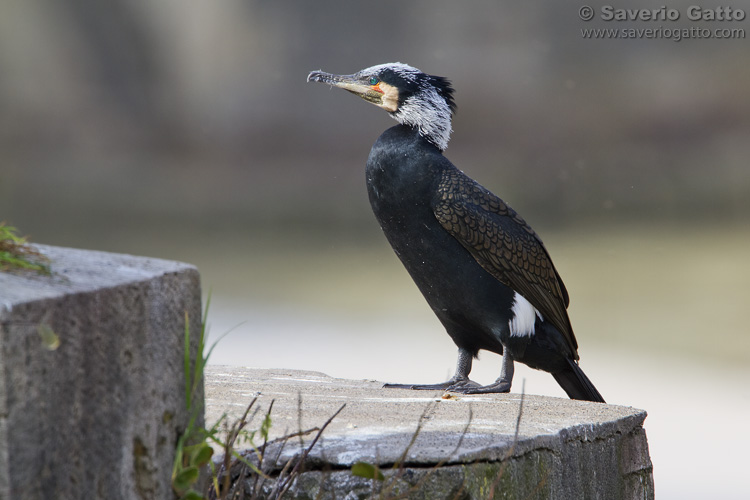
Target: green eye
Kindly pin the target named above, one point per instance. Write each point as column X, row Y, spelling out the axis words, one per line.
column 374, row 80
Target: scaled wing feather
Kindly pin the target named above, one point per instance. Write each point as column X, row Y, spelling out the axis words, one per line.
column 504, row 245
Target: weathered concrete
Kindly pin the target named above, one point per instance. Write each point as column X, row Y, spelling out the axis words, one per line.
column 565, row 449
column 99, row 416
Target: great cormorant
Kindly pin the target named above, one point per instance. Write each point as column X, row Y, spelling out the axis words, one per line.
column 484, row 272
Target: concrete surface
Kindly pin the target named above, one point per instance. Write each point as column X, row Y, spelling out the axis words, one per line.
column 565, row 449
column 98, row 416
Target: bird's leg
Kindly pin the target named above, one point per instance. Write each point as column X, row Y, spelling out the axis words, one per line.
column 502, row 384
column 459, row 380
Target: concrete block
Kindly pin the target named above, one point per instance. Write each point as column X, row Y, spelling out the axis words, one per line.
column 565, row 449
column 99, row 416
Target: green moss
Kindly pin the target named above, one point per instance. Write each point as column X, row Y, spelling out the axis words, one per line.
column 17, row 255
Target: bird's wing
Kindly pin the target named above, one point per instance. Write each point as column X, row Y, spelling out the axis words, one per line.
column 504, row 245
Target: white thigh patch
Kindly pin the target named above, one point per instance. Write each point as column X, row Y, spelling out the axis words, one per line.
column 524, row 317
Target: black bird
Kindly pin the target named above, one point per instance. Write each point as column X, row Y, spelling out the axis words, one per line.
column 484, row 272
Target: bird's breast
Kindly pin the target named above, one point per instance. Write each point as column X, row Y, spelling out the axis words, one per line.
column 401, row 176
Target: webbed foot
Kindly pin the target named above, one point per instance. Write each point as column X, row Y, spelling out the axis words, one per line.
column 449, row 385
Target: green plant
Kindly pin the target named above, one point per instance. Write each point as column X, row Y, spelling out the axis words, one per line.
column 193, row 451
column 17, row 254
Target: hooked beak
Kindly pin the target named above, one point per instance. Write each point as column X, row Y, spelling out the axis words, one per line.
column 350, row 83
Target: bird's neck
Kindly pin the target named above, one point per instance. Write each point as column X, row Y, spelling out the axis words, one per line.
column 403, row 140
column 431, row 117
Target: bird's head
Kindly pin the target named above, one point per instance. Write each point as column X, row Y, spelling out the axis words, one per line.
column 411, row 97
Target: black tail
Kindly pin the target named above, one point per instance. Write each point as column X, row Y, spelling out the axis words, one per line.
column 576, row 384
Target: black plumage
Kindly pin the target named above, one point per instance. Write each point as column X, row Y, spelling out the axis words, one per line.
column 484, row 272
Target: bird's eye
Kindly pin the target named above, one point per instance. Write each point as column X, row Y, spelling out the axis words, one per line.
column 374, row 80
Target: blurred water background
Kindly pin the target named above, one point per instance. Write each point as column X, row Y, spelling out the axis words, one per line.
column 185, row 130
